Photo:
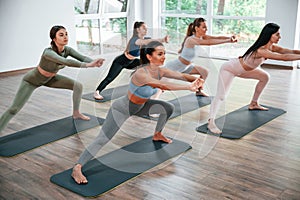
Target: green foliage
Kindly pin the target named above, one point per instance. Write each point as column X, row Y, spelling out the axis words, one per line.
column 122, row 23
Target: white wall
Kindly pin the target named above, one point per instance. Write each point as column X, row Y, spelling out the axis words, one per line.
column 284, row 13
column 25, row 27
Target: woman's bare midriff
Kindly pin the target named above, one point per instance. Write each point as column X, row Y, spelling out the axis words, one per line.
column 246, row 67
column 45, row 73
column 184, row 61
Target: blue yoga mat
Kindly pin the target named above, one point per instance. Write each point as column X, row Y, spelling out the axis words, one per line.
column 34, row 137
column 242, row 121
column 114, row 168
column 108, row 94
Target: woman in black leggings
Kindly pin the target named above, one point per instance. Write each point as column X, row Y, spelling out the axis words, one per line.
column 130, row 58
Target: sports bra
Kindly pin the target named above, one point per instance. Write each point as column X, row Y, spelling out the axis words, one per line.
column 253, row 62
column 144, row 91
column 188, row 53
column 134, row 49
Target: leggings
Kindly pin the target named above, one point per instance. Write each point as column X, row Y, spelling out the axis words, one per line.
column 32, row 80
column 117, row 66
column 228, row 71
column 119, row 112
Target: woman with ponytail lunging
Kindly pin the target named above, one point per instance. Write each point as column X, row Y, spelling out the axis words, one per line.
column 130, row 58
column 196, row 35
column 143, row 84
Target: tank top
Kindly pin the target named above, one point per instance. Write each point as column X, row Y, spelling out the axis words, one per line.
column 253, row 62
column 144, row 91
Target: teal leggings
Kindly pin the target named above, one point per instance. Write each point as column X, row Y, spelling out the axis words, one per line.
column 33, row 80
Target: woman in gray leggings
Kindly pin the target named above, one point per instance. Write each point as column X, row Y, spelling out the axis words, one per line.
column 144, row 83
column 53, row 59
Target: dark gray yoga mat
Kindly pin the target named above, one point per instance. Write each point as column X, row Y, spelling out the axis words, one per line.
column 108, row 94
column 242, row 121
column 114, row 168
column 34, row 137
column 185, row 104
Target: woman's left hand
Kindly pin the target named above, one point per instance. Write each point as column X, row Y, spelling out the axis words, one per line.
column 196, row 84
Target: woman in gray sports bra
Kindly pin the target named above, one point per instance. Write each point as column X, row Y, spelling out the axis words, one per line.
column 143, row 84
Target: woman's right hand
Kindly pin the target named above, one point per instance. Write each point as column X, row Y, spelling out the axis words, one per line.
column 166, row 39
column 196, row 84
column 96, row 63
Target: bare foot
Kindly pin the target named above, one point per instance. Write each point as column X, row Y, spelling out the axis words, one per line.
column 212, row 127
column 201, row 93
column 256, row 106
column 77, row 175
column 160, row 137
column 78, row 115
column 97, row 95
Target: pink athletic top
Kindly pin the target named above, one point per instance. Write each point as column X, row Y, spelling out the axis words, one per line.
column 253, row 62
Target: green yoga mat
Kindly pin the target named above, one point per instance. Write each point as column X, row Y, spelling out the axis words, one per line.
column 185, row 104
column 114, row 168
column 108, row 94
column 22, row 141
column 240, row 122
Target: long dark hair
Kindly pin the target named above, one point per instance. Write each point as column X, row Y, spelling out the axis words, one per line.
column 53, row 32
column 263, row 38
column 135, row 33
column 191, row 30
column 148, row 49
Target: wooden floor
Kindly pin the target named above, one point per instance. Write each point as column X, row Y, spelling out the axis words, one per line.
column 265, row 164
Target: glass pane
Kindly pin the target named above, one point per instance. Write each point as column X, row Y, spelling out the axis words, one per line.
column 247, row 32
column 113, row 34
column 86, row 6
column 255, row 8
column 185, row 6
column 176, row 28
column 114, row 6
column 87, row 36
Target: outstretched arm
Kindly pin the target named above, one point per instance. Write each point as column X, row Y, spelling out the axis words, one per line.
column 278, row 49
column 141, row 78
column 141, row 42
column 214, row 40
column 80, row 62
column 279, row 53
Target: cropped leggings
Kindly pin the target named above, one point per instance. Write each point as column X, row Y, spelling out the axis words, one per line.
column 228, row 71
column 32, row 80
column 119, row 112
column 117, row 66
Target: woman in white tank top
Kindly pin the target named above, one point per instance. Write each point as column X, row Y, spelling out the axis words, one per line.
column 247, row 66
column 196, row 35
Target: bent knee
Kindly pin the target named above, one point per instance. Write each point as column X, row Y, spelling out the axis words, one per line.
column 13, row 110
column 78, row 86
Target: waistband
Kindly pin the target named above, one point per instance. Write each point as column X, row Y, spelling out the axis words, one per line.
column 184, row 61
column 45, row 73
column 135, row 99
column 246, row 67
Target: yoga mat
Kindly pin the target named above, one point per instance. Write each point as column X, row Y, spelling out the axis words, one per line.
column 108, row 94
column 242, row 121
column 112, row 169
column 34, row 137
column 185, row 104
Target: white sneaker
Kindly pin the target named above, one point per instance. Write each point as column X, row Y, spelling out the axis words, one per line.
column 97, row 96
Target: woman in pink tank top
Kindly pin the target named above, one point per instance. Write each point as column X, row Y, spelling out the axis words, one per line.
column 247, row 66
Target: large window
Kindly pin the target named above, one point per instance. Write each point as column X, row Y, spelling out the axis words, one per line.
column 224, row 17
column 101, row 25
